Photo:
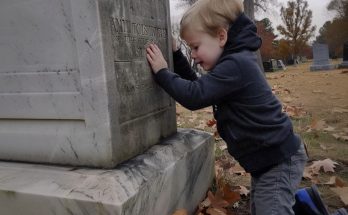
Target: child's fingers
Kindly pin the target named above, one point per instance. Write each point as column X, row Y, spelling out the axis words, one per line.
column 149, row 58
column 150, row 52
column 157, row 49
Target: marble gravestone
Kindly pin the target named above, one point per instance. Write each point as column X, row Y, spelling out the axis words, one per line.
column 84, row 128
column 344, row 64
column 321, row 58
column 75, row 87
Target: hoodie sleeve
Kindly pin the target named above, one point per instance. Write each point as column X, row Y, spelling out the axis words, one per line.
column 211, row 88
column 182, row 66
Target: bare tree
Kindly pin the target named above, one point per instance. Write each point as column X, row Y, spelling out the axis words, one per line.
column 340, row 6
column 297, row 28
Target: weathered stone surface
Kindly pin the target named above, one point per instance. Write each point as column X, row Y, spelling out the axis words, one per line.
column 321, row 58
column 171, row 175
column 75, row 86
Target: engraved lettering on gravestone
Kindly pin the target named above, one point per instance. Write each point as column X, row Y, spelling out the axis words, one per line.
column 140, row 94
column 130, row 39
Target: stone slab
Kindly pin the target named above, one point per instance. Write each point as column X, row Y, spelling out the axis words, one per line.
column 172, row 175
column 322, row 67
column 75, row 86
column 321, row 59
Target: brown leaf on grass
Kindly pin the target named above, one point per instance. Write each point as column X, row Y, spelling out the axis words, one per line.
column 311, row 174
column 222, row 147
column 180, row 212
column 293, row 111
column 211, row 123
column 217, row 136
column 342, row 192
column 229, row 195
column 336, row 181
column 217, row 200
column 206, row 203
column 307, row 173
column 318, row 125
column 328, row 165
column 243, row 191
column 216, row 211
column 219, row 175
column 339, row 110
column 329, row 128
column 340, row 136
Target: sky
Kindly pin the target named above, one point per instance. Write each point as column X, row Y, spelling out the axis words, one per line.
column 318, row 7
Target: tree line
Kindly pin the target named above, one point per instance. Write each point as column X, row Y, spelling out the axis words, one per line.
column 296, row 29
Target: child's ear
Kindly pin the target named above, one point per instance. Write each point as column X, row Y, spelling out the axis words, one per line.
column 222, row 36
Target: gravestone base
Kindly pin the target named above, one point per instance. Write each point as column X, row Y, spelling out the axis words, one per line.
column 173, row 174
column 343, row 65
column 322, row 67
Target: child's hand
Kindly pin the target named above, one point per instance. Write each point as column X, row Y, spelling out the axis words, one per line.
column 155, row 58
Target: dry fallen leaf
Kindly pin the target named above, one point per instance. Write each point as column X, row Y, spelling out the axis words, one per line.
column 329, row 128
column 211, row 123
column 229, row 195
column 342, row 192
column 293, row 111
column 180, row 212
column 339, row 110
column 217, row 200
column 206, row 203
column 308, row 173
column 243, row 191
column 328, row 165
column 336, row 181
column 216, row 211
column 318, row 125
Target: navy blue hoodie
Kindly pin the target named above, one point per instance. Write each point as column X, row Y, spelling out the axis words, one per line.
column 249, row 116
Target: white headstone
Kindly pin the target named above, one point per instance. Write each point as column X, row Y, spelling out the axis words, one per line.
column 75, row 86
column 321, row 58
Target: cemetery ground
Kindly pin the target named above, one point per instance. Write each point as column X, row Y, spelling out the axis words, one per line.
column 317, row 103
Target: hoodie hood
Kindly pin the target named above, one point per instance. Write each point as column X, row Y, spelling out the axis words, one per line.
column 242, row 35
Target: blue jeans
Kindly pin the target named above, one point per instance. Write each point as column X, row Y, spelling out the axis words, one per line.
column 273, row 193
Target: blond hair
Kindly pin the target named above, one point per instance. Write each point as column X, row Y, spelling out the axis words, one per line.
column 210, row 15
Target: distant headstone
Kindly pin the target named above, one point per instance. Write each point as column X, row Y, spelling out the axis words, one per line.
column 281, row 65
column 267, row 66
column 290, row 61
column 270, row 66
column 321, row 58
column 344, row 64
